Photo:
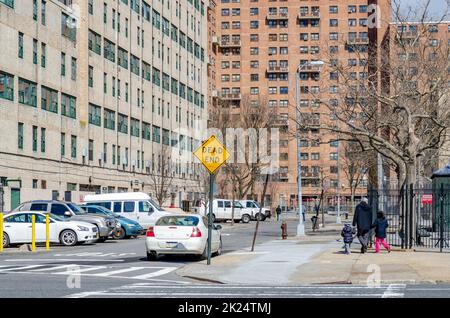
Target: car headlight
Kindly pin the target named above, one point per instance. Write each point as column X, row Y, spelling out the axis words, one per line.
column 118, row 225
column 83, row 228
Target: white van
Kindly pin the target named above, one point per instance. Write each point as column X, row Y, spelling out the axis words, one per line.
column 136, row 206
column 222, row 211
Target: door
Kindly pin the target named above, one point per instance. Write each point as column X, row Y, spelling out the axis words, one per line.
column 227, row 210
column 18, row 228
column 40, row 227
column 129, row 210
column 220, row 211
column 59, row 210
column 15, row 198
column 145, row 214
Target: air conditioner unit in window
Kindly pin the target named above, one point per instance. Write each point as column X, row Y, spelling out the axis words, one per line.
column 100, row 156
column 148, row 163
column 133, row 163
column 125, row 161
column 83, row 152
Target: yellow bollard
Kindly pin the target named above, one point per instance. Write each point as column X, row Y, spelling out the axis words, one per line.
column 1, row 232
column 33, row 233
column 47, row 232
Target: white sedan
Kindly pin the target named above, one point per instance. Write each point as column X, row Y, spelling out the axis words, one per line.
column 182, row 234
column 17, row 229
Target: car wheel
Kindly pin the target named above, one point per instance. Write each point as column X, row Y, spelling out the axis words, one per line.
column 152, row 256
column 245, row 218
column 102, row 239
column 68, row 238
column 5, row 240
column 119, row 234
column 213, row 217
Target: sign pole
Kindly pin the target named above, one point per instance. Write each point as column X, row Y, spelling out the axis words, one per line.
column 210, row 214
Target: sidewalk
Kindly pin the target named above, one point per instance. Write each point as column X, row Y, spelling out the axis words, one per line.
column 318, row 259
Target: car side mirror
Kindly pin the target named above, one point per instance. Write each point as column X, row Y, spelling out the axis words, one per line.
column 218, row 227
column 67, row 214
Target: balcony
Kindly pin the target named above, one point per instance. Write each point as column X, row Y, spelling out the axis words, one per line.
column 309, row 68
column 357, row 40
column 230, row 96
column 277, row 16
column 313, row 15
column 230, row 43
column 277, row 69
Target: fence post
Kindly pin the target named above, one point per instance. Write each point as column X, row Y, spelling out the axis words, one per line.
column 406, row 216
column 412, row 223
column 441, row 219
column 1, row 232
column 33, row 233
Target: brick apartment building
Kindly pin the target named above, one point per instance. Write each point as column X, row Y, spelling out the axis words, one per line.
column 258, row 47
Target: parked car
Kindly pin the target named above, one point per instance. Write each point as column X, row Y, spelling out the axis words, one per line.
column 182, row 234
column 222, row 211
column 125, row 227
column 136, row 206
column 17, row 229
column 70, row 211
column 252, row 207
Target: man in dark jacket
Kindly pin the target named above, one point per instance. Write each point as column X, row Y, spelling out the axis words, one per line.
column 363, row 221
column 278, row 211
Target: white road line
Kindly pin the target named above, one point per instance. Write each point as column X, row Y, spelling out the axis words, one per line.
column 51, row 268
column 120, row 271
column 393, row 291
column 62, row 260
column 157, row 273
column 19, row 268
column 77, row 271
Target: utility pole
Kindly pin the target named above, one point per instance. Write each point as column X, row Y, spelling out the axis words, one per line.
column 338, row 218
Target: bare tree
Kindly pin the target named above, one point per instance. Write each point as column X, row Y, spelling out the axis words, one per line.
column 355, row 165
column 161, row 180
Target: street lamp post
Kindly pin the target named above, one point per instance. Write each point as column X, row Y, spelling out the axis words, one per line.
column 338, row 218
column 301, row 225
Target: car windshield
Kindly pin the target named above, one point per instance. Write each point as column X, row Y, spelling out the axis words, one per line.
column 76, row 209
column 256, row 204
column 107, row 212
column 156, row 205
column 57, row 217
column 178, row 221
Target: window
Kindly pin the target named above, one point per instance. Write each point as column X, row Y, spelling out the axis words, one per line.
column 109, row 50
column 91, row 150
column 146, row 131
column 91, row 76
column 43, row 139
column 123, row 58
column 122, row 125
column 68, row 27
column 63, row 144
column 334, row 23
column 134, row 127
column 109, row 120
column 20, row 136
column 34, row 136
column 95, row 115
column 68, row 106
column 35, row 10
column 35, row 49
column 63, row 64
column 27, row 92
column 43, row 12
column 73, row 146
column 74, row 69
column 333, row 156
column 20, row 45
column 6, row 86
column 49, row 99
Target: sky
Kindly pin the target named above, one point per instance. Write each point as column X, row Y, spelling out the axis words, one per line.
column 437, row 8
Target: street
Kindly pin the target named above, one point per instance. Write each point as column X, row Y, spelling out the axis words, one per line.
column 120, row 269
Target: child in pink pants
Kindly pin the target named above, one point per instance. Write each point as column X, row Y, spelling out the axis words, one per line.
column 381, row 224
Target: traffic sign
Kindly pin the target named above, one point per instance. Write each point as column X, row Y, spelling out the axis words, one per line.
column 212, row 154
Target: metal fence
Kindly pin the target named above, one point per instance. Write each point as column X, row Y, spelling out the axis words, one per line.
column 418, row 217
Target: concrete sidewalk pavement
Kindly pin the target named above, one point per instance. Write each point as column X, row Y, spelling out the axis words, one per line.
column 318, row 259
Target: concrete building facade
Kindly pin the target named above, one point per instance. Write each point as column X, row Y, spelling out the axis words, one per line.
column 94, row 94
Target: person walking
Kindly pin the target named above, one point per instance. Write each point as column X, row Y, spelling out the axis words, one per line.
column 381, row 224
column 363, row 222
column 347, row 233
column 278, row 210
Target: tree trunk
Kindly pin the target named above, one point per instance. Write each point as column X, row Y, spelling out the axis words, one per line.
column 352, row 199
column 412, row 217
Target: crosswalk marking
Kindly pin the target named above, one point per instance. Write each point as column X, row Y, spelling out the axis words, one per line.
column 157, row 273
column 52, row 268
column 19, row 268
column 119, row 271
column 149, row 273
column 78, row 270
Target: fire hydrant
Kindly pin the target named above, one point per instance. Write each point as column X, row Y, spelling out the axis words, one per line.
column 284, row 230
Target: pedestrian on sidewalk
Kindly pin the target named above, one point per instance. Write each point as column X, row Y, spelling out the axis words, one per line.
column 381, row 224
column 347, row 233
column 363, row 222
column 278, row 210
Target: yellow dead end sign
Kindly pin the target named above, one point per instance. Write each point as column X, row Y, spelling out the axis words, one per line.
column 212, row 154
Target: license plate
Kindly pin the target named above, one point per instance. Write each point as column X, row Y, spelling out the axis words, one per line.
column 171, row 244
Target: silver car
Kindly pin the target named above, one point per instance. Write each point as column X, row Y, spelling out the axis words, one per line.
column 106, row 225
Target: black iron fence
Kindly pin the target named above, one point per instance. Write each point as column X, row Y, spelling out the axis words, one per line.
column 418, row 217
